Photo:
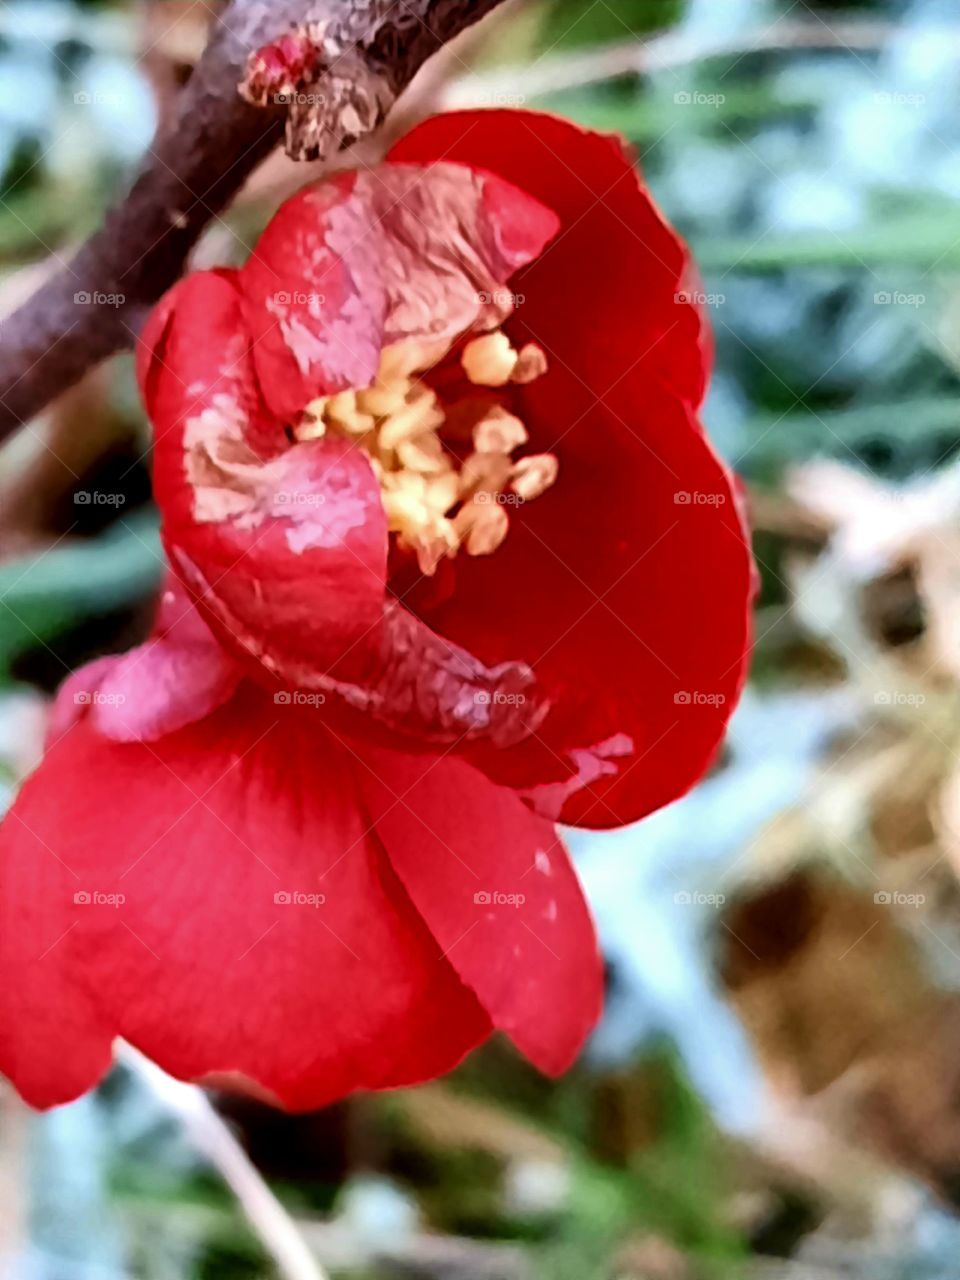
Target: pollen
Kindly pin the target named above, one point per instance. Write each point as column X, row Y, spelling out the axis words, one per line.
column 490, row 361
column 447, row 471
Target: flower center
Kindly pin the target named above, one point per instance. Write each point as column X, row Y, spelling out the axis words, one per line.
column 447, row 471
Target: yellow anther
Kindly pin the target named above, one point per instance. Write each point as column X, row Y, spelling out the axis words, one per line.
column 424, row 454
column 316, row 408
column 382, row 401
column 404, row 482
column 533, row 476
column 421, row 415
column 342, row 409
column 433, row 543
column 488, row 472
column 531, row 364
column 490, row 361
column 499, row 432
column 443, row 491
column 405, row 508
column 400, row 361
column 435, row 504
column 311, row 429
column 341, row 406
column 482, row 524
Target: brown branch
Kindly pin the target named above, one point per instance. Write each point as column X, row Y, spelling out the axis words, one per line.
column 202, row 154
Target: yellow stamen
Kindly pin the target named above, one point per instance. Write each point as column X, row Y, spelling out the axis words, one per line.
column 423, row 455
column 488, row 472
column 499, row 432
column 531, row 364
column 443, row 491
column 312, row 430
column 434, row 505
column 490, row 361
column 342, row 410
column 482, row 524
column 399, row 362
column 411, row 420
column 533, row 476
column 383, row 401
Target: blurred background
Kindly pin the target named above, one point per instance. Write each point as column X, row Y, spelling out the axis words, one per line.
column 774, row 1093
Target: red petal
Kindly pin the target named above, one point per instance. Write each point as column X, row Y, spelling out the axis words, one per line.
column 351, row 265
column 180, row 675
column 296, row 580
column 630, row 604
column 605, row 291
column 497, row 889
column 284, row 550
column 210, row 964
column 194, row 356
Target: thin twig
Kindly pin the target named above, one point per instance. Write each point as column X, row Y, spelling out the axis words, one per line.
column 213, row 1139
column 14, row 1119
column 555, row 72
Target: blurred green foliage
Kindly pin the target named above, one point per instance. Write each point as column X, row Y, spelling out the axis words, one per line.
column 42, row 596
column 572, row 23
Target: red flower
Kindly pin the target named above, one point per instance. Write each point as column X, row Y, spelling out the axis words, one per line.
column 462, row 562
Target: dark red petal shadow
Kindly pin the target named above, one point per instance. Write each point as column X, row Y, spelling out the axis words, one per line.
column 630, row 602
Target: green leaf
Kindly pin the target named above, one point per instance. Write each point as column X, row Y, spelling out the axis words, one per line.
column 44, row 595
